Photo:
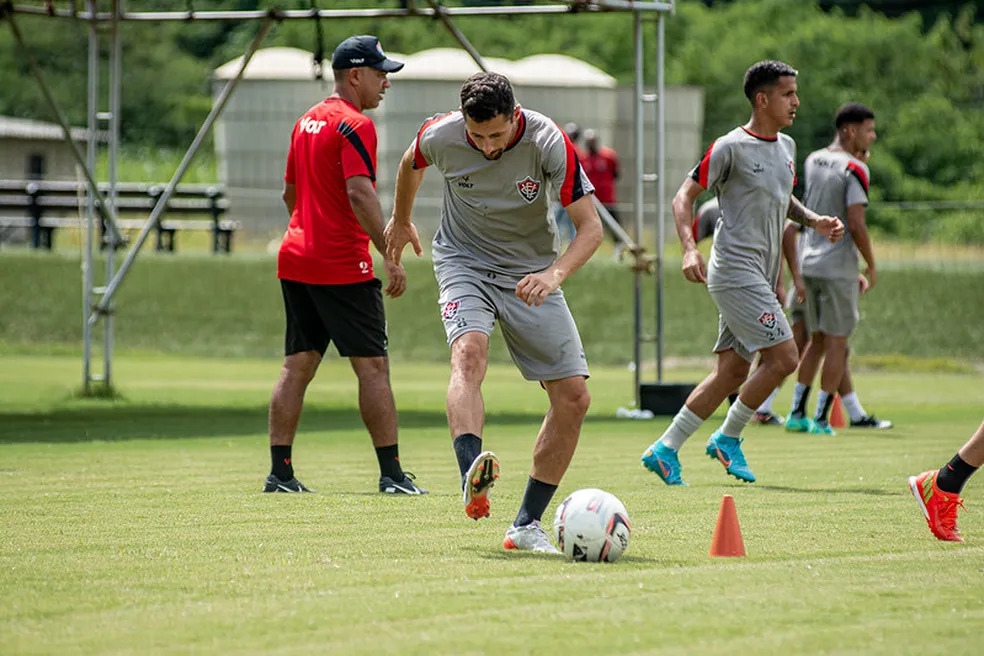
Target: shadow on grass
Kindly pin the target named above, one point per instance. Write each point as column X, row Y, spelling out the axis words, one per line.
column 830, row 490
column 133, row 422
column 502, row 554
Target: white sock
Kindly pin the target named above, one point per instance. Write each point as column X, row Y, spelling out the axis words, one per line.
column 821, row 402
column 766, row 407
column 684, row 424
column 853, row 406
column 738, row 417
column 798, row 391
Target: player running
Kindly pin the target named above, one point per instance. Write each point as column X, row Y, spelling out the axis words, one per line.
column 752, row 170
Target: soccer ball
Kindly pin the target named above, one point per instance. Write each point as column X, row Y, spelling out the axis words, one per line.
column 592, row 525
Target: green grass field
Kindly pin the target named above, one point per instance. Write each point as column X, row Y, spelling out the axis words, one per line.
column 137, row 525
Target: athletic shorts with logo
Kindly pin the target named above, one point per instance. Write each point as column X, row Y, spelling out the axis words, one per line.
column 749, row 319
column 831, row 305
column 543, row 341
column 350, row 316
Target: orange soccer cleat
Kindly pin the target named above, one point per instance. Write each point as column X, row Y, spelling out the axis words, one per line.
column 939, row 507
column 479, row 479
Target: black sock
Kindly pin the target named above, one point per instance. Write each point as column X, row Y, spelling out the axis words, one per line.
column 800, row 409
column 280, row 457
column 732, row 398
column 824, row 414
column 467, row 446
column 389, row 462
column 953, row 475
column 535, row 501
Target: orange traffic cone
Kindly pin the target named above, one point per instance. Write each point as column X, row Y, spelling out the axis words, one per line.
column 727, row 535
column 837, row 413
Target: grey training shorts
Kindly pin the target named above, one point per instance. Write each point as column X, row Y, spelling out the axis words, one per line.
column 796, row 309
column 749, row 320
column 831, row 305
column 543, row 341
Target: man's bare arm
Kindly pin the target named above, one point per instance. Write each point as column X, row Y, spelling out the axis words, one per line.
column 408, row 181
column 290, row 197
column 683, row 217
column 400, row 230
column 859, row 232
column 365, row 205
column 799, row 213
column 789, row 251
column 586, row 240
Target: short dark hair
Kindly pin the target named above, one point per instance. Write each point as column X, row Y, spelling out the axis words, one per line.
column 487, row 95
column 852, row 112
column 764, row 74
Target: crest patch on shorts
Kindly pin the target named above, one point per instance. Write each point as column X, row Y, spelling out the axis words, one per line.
column 768, row 319
column 528, row 188
column 450, row 310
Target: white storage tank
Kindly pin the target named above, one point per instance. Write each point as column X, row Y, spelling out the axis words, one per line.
column 253, row 133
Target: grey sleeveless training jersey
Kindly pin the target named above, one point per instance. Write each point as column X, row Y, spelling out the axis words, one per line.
column 494, row 212
column 753, row 178
column 834, row 181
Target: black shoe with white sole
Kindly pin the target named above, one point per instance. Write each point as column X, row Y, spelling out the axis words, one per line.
column 407, row 486
column 871, row 421
column 274, row 484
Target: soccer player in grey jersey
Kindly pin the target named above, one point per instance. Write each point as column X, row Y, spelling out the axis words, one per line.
column 752, row 169
column 836, row 182
column 495, row 260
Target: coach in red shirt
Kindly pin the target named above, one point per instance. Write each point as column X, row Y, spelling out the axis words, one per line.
column 325, row 270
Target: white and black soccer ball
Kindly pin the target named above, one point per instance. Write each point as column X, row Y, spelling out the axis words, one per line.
column 592, row 525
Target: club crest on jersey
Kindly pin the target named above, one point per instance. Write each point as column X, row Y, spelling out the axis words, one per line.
column 450, row 310
column 768, row 320
column 528, row 188
column 792, row 167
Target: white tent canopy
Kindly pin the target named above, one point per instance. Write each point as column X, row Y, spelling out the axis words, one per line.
column 449, row 64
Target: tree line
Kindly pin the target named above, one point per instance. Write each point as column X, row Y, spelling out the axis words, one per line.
column 922, row 72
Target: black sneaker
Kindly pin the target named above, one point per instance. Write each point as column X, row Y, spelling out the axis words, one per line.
column 274, row 484
column 871, row 421
column 407, row 486
column 769, row 419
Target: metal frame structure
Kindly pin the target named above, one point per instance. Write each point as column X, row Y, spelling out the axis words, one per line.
column 103, row 206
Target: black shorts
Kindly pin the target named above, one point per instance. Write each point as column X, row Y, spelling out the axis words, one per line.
column 351, row 316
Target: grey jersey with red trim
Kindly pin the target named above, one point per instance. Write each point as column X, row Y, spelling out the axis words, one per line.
column 753, row 178
column 834, row 181
column 494, row 212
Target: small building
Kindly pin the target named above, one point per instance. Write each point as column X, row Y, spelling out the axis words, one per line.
column 253, row 133
column 36, row 150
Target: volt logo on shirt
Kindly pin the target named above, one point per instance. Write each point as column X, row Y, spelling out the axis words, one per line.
column 311, row 126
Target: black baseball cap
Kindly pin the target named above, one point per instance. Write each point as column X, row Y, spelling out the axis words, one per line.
column 357, row 51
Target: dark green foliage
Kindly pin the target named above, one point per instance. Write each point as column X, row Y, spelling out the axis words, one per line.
column 922, row 73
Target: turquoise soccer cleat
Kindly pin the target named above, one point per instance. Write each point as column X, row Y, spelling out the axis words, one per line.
column 663, row 461
column 727, row 451
column 798, row 423
column 821, row 428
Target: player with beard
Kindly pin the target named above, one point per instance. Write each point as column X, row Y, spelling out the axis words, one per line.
column 495, row 260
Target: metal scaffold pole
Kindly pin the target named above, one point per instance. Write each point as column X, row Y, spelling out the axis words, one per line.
column 115, row 91
column 161, row 203
column 638, row 130
column 90, row 206
column 103, row 208
column 660, row 192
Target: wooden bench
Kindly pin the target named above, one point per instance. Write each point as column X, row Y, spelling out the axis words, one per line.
column 42, row 207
